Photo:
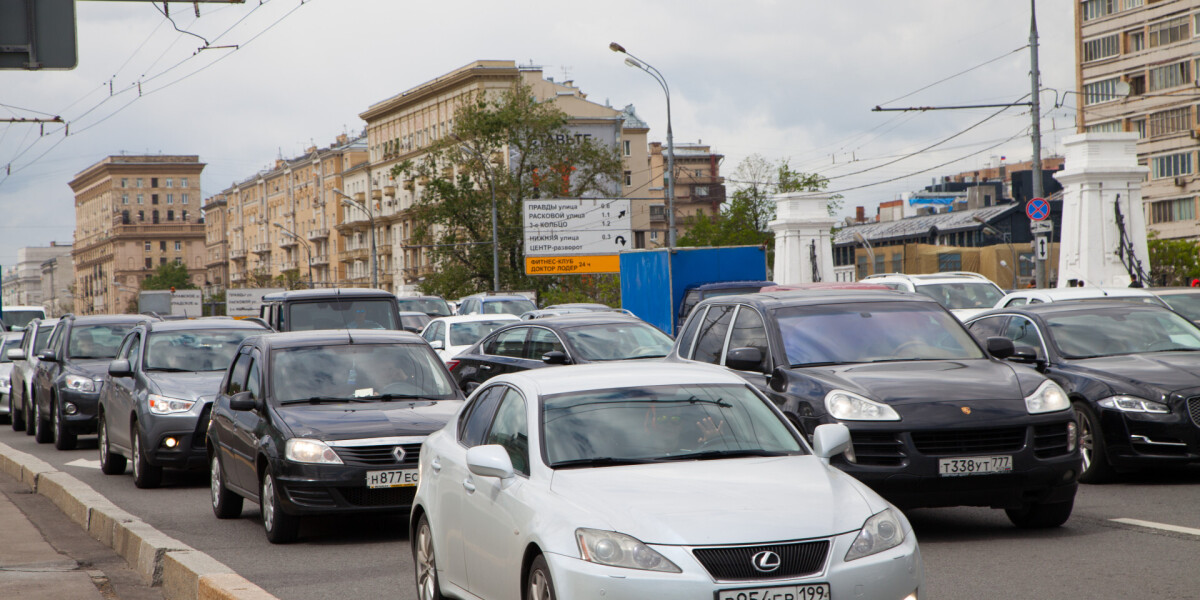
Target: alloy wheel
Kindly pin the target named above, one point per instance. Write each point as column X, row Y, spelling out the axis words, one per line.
column 268, row 502
column 426, row 567
column 1087, row 442
column 102, row 441
column 214, row 484
column 137, row 455
column 539, row 586
column 57, row 426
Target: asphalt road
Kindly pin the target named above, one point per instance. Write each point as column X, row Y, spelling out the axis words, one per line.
column 969, row 552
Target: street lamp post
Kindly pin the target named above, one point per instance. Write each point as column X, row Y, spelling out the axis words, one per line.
column 495, row 237
column 638, row 63
column 307, row 249
column 1006, row 238
column 348, row 201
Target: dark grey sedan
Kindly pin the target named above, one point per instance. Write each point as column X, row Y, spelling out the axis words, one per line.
column 156, row 398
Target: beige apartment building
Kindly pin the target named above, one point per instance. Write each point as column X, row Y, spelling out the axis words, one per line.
column 282, row 219
column 133, row 213
column 699, row 189
column 1136, row 70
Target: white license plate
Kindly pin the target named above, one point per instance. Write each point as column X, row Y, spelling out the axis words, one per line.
column 816, row 591
column 392, row 479
column 974, row 465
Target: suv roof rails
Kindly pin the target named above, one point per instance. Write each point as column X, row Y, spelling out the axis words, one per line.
column 927, row 275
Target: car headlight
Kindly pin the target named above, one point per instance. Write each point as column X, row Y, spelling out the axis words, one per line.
column 1134, row 404
column 879, row 533
column 304, row 450
column 1048, row 398
column 848, row 406
column 620, row 550
column 86, row 385
column 163, row 405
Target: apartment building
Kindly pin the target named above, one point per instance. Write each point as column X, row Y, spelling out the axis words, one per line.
column 133, row 213
column 699, row 189
column 1136, row 70
column 22, row 282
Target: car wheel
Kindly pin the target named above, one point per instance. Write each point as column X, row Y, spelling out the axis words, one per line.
column 42, row 433
column 426, row 566
column 1040, row 515
column 1096, row 468
column 281, row 527
column 27, row 406
column 16, row 409
column 226, row 504
column 7, row 419
column 539, row 584
column 145, row 475
column 110, row 463
column 62, row 439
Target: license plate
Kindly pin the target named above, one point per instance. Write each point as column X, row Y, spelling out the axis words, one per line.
column 816, row 591
column 974, row 465
column 392, row 479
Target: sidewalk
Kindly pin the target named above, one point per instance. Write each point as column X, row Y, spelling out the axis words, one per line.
column 46, row 556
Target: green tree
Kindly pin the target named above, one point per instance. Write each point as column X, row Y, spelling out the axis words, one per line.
column 169, row 275
column 290, row 280
column 522, row 149
column 1173, row 262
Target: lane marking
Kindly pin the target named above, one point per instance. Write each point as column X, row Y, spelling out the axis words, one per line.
column 1162, row 526
column 85, row 463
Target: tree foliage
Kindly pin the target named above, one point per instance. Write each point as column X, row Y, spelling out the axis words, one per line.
column 1173, row 262
column 169, row 275
column 518, row 148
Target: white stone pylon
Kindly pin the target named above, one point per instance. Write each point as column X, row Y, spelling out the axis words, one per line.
column 801, row 220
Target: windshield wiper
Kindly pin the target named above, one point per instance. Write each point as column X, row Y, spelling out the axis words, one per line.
column 389, row 397
column 821, row 364
column 320, row 399
column 711, row 454
column 170, row 369
column 647, row 356
column 601, row 461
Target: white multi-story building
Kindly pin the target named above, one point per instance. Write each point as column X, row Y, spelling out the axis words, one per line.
column 22, row 284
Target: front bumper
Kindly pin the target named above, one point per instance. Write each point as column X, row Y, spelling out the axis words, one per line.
column 84, row 421
column 307, row 489
column 889, row 575
column 1136, row 440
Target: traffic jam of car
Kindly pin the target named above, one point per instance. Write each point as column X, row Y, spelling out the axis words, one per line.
column 557, row 451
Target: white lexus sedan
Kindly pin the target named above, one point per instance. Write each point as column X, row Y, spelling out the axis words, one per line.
column 449, row 336
column 635, row 481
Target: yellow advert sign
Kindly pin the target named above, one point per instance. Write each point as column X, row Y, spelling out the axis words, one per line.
column 572, row 265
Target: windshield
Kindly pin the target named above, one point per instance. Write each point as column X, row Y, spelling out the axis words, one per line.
column 16, row 320
column 11, row 343
column 97, row 341
column 507, row 307
column 465, row 334
column 975, row 294
column 43, row 339
column 342, row 314
column 860, row 332
column 206, row 350
column 359, row 371
column 434, row 307
column 413, row 322
column 618, row 341
column 1187, row 305
column 1115, row 331
column 640, row 424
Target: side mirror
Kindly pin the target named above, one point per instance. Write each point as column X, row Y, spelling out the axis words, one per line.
column 744, row 359
column 437, row 345
column 120, row 368
column 555, row 357
column 1000, row 347
column 830, row 440
column 15, row 354
column 242, row 401
column 489, row 461
column 48, row 356
column 1024, row 354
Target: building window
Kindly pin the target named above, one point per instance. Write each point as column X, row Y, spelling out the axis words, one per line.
column 628, row 178
column 154, row 217
column 879, row 263
column 1104, row 90
column 861, row 266
column 183, row 198
column 1137, row 85
column 700, row 191
column 149, row 262
column 898, row 262
column 153, row 182
column 1104, row 127
column 170, row 182
column 950, row 261
column 1139, row 125
column 1094, row 9
column 142, row 217
column 1171, row 165
column 162, row 245
column 1172, row 75
column 170, row 215
column 162, row 260
column 184, row 216
column 139, row 182
column 1168, row 32
column 1027, row 264
column 125, row 219
column 628, row 145
column 170, row 198
column 1132, row 4
column 124, row 198
column 1135, row 41
column 1102, row 47
column 153, row 198
column 147, row 246
column 124, row 182
column 1169, row 121
column 183, row 182
column 654, row 235
column 1169, row 211
column 141, row 199
column 178, row 246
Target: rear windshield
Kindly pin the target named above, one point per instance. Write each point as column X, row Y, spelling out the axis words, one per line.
column 434, row 307
column 16, row 320
column 955, row 296
column 507, row 307
column 211, row 350
column 97, row 341
column 469, row 332
column 342, row 314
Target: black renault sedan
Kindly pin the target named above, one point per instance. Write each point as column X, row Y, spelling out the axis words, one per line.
column 155, row 400
column 323, row 422
column 1131, row 370
column 935, row 418
column 570, row 339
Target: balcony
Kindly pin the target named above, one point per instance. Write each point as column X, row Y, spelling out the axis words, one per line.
column 238, row 254
column 289, row 265
column 262, row 248
column 320, row 260
column 389, row 191
column 384, row 249
column 318, row 234
column 356, row 254
column 288, row 242
column 658, row 214
column 236, row 277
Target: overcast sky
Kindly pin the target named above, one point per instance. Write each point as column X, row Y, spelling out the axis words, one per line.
column 791, row 79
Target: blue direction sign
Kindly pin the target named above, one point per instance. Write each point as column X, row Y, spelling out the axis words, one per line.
column 1037, row 209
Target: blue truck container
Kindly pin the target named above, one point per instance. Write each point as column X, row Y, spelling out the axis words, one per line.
column 653, row 282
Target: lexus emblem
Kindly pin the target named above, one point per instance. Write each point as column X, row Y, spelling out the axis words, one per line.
column 399, row 453
column 765, row 561
column 966, row 410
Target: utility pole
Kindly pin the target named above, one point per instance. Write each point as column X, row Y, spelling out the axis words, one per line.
column 1039, row 228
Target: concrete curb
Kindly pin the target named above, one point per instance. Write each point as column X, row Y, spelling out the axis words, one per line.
column 183, row 572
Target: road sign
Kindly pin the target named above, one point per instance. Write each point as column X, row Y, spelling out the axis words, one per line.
column 577, row 227
column 244, row 302
column 572, row 265
column 37, row 35
column 1041, row 247
column 1037, row 227
column 185, row 303
column 1037, row 209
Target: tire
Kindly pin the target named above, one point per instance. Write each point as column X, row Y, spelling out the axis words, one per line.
column 1096, row 468
column 538, row 584
column 7, row 419
column 281, row 527
column 424, row 563
column 30, row 418
column 16, row 410
column 145, row 475
column 225, row 504
column 42, row 432
column 110, row 463
column 1041, row 515
column 63, row 440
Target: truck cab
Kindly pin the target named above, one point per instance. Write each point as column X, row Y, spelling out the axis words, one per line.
column 335, row 308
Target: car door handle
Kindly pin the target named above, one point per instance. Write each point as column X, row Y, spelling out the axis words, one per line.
column 485, row 367
column 469, row 486
column 436, row 465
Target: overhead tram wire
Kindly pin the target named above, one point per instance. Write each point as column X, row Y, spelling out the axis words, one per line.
column 940, row 81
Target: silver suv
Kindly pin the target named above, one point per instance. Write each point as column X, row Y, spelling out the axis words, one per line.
column 963, row 293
